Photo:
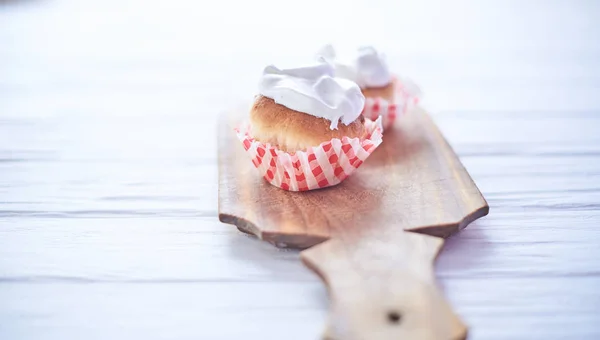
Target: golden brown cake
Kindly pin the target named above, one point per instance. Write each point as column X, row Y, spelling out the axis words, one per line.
column 292, row 130
column 387, row 92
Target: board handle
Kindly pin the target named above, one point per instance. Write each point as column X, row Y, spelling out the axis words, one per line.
column 383, row 287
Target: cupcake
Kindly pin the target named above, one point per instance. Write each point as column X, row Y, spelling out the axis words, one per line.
column 385, row 94
column 306, row 130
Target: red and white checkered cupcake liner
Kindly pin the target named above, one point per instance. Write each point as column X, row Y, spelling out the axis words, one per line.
column 317, row 167
column 407, row 96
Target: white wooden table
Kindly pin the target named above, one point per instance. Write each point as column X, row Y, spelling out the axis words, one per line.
column 108, row 176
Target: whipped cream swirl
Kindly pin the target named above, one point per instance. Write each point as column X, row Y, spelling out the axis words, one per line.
column 314, row 90
column 367, row 68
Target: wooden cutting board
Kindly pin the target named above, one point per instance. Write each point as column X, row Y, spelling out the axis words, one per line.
column 380, row 278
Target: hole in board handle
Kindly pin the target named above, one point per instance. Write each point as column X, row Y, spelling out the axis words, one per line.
column 394, row 317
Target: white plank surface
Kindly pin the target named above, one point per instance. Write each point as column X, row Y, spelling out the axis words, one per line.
column 108, row 175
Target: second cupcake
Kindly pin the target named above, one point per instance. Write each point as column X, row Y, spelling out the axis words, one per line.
column 386, row 95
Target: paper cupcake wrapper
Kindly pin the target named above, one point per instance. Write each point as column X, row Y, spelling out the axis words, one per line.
column 317, row 167
column 406, row 97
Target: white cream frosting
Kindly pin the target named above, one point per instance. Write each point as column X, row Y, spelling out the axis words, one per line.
column 314, row 90
column 367, row 67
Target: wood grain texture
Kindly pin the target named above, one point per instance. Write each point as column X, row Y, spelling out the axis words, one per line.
column 108, row 170
column 383, row 287
column 376, row 273
column 413, row 181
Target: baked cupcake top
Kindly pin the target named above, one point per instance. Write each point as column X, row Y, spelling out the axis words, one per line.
column 314, row 90
column 366, row 66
